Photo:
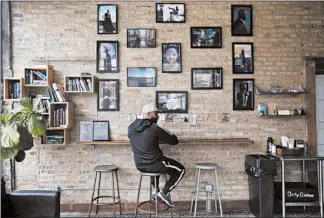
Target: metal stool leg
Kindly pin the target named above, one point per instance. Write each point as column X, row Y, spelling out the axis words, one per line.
column 98, row 192
column 197, row 192
column 93, row 191
column 120, row 209
column 138, row 195
column 113, row 192
column 192, row 194
column 218, row 193
column 156, row 200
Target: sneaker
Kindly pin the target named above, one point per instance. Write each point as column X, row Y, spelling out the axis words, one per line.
column 165, row 198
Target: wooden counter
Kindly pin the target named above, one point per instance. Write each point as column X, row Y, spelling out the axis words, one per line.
column 227, row 141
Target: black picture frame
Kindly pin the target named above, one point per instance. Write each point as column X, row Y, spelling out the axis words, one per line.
column 168, row 13
column 141, row 38
column 241, row 20
column 243, row 94
column 141, row 77
column 172, row 101
column 171, row 58
column 206, row 37
column 107, row 19
column 207, row 78
column 242, row 58
column 99, row 130
column 107, row 57
column 108, row 95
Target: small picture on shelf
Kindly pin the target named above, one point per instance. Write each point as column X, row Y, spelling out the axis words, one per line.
column 108, row 96
column 243, row 94
column 100, row 130
column 107, row 19
column 35, row 77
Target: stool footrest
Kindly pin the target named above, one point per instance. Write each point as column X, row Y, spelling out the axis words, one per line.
column 117, row 200
column 153, row 207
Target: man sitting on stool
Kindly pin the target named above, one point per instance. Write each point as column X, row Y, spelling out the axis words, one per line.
column 144, row 135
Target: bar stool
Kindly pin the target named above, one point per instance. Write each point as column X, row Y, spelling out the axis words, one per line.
column 149, row 201
column 116, row 199
column 206, row 166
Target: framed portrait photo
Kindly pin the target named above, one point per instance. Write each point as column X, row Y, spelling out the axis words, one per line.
column 171, row 58
column 141, row 76
column 108, row 95
column 107, row 56
column 172, row 101
column 170, row 13
column 242, row 20
column 141, row 38
column 243, row 94
column 206, row 37
column 207, row 78
column 107, row 18
column 242, row 58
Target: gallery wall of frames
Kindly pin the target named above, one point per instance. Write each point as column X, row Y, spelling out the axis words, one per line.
column 201, row 37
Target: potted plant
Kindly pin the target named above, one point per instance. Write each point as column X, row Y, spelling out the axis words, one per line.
column 18, row 129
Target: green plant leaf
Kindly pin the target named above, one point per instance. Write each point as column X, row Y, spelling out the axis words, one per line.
column 8, row 153
column 10, row 137
column 4, row 118
column 17, row 117
column 35, row 127
column 25, row 102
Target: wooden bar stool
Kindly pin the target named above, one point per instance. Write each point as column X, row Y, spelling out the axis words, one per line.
column 115, row 199
column 149, row 201
column 213, row 168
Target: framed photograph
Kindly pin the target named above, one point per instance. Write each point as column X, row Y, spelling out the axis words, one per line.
column 107, row 16
column 207, row 78
column 141, row 38
column 206, row 37
column 242, row 20
column 108, row 95
column 107, row 56
column 172, row 101
column 141, row 76
column 100, row 130
column 242, row 58
column 170, row 13
column 243, row 94
column 171, row 57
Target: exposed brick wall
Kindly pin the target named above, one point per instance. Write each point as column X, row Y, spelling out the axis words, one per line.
column 65, row 34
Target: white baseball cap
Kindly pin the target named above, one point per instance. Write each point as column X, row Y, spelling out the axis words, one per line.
column 150, row 107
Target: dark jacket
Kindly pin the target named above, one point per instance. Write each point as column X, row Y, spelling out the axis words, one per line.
column 144, row 136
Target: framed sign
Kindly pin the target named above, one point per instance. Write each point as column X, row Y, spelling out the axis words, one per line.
column 86, row 131
column 101, row 130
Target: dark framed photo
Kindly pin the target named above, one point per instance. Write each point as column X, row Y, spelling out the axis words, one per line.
column 243, row 94
column 171, row 58
column 108, row 95
column 141, row 38
column 172, row 101
column 206, row 37
column 207, row 78
column 107, row 17
column 242, row 58
column 242, row 20
column 100, row 130
column 170, row 13
column 107, row 56
column 141, row 76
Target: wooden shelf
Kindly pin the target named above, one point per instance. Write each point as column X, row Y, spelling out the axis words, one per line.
column 278, row 92
column 296, row 115
column 68, row 115
column 46, row 69
column 232, row 141
column 6, row 87
column 82, row 82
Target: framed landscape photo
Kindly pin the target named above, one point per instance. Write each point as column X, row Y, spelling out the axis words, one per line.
column 207, row 78
column 172, row 101
column 170, row 13
column 107, row 56
column 243, row 94
column 171, row 58
column 242, row 20
column 108, row 95
column 141, row 38
column 242, row 58
column 141, row 76
column 107, row 16
column 206, row 37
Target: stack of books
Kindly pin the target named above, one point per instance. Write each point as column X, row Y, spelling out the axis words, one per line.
column 53, row 139
column 14, row 90
column 36, row 77
column 79, row 84
column 59, row 117
column 56, row 93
